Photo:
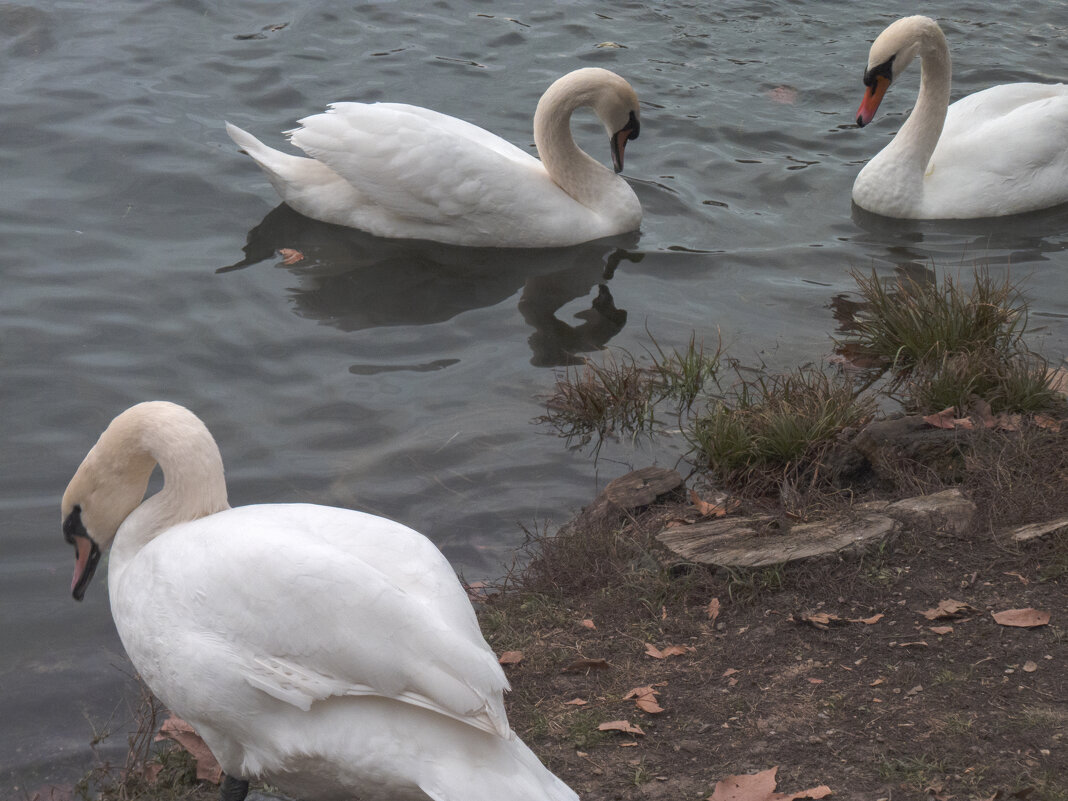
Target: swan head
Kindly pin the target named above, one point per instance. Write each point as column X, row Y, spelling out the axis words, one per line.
column 616, row 105
column 891, row 53
column 112, row 479
column 103, row 492
column 612, row 99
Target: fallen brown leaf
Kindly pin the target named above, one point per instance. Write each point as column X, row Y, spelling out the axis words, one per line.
column 1021, row 618
column 645, row 699
column 706, row 509
column 575, row 702
column 1030, row 666
column 941, row 629
column 670, row 650
column 583, row 665
column 1048, row 423
column 511, row 658
column 290, row 256
column 730, row 672
column 751, row 787
column 174, row 728
column 622, row 726
column 942, row 419
column 947, row 609
column 588, row 623
column 713, row 609
column 868, row 621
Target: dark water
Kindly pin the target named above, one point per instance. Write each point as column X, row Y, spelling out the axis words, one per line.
column 400, row 378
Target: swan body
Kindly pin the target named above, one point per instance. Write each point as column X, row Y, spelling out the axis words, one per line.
column 326, row 651
column 403, row 171
column 1000, row 151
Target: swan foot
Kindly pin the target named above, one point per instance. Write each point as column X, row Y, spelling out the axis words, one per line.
column 233, row 789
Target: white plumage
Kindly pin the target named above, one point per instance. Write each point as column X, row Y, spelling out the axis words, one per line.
column 1000, row 151
column 329, row 652
column 403, row 171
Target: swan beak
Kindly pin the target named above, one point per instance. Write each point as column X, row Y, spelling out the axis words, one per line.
column 86, row 553
column 872, row 99
column 620, row 139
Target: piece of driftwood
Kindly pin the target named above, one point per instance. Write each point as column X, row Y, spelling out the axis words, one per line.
column 629, row 493
column 751, row 542
column 1035, row 530
column 948, row 511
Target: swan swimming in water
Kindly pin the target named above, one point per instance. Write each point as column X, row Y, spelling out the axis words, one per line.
column 403, row 171
column 331, row 653
column 1000, row 151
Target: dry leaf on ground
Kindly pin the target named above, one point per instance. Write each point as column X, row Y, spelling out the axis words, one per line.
column 584, row 665
column 1021, row 618
column 1030, row 666
column 713, row 609
column 575, row 702
column 174, row 728
column 941, row 629
column 624, row 726
column 587, row 623
column 645, row 699
column 753, row 787
column 290, row 256
column 670, row 650
column 947, row 609
column 1048, row 423
column 705, row 508
column 942, row 419
column 761, row 787
column 511, row 658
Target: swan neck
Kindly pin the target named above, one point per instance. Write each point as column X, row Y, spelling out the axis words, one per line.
column 194, row 483
column 924, row 126
column 570, row 167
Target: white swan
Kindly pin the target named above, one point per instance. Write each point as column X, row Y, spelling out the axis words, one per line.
column 403, row 171
column 1000, row 151
column 329, row 652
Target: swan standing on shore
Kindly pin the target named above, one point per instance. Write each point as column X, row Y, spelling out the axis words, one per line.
column 403, row 171
column 1000, row 151
column 329, row 652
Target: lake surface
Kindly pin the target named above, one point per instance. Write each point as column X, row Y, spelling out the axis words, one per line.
column 401, row 378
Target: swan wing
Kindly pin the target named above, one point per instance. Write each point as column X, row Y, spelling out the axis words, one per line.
column 420, row 168
column 307, row 602
column 1003, row 150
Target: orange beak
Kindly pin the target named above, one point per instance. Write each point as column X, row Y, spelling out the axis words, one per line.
column 872, row 98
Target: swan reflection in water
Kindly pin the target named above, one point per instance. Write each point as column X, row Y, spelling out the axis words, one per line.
column 354, row 281
column 1008, row 242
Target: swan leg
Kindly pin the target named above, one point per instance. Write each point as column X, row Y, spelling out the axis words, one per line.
column 233, row 789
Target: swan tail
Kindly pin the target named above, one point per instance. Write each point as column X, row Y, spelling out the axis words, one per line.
column 279, row 166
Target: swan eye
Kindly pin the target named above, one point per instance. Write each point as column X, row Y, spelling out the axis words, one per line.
column 72, row 525
column 634, row 126
column 884, row 70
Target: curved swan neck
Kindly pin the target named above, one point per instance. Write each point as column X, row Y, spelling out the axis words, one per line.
column 160, row 433
column 919, row 135
column 571, row 168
